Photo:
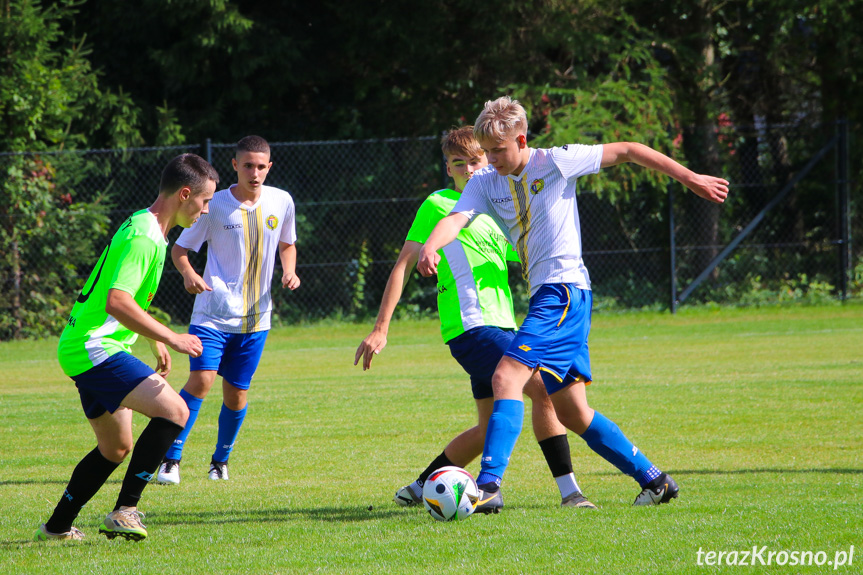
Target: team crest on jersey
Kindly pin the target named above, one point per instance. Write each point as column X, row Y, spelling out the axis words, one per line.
column 272, row 222
column 537, row 186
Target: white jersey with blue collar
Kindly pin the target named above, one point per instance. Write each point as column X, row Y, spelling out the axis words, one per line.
column 538, row 210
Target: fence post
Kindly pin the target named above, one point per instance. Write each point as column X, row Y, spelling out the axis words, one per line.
column 843, row 207
column 208, row 151
column 672, row 247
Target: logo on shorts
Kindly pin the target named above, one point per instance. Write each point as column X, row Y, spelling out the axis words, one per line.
column 537, row 186
column 272, row 222
column 524, row 347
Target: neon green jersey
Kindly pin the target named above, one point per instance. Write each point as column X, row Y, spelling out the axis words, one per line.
column 473, row 284
column 133, row 263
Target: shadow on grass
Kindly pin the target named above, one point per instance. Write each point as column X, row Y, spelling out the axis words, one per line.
column 18, row 543
column 837, row 471
column 325, row 514
column 57, row 481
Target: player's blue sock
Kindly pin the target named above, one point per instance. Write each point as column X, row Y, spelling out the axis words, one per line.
column 504, row 427
column 194, row 404
column 604, row 437
column 230, row 422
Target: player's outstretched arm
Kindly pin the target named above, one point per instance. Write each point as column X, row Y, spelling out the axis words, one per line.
column 443, row 233
column 288, row 257
column 708, row 187
column 375, row 342
column 126, row 310
column 193, row 282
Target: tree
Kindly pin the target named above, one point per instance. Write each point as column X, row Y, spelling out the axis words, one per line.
column 50, row 100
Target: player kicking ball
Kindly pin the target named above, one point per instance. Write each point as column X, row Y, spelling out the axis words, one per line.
column 477, row 323
column 531, row 194
column 95, row 351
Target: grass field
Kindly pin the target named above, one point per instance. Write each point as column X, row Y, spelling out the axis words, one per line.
column 757, row 414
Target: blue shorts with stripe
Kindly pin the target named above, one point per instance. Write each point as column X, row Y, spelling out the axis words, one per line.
column 234, row 356
column 103, row 387
column 478, row 351
column 553, row 336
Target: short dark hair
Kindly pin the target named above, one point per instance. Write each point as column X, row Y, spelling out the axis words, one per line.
column 252, row 144
column 187, row 170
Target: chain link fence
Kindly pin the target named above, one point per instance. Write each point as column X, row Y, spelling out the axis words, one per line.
column 355, row 201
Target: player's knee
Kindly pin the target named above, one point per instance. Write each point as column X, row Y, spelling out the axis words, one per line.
column 504, row 386
column 176, row 412
column 117, row 451
column 182, row 414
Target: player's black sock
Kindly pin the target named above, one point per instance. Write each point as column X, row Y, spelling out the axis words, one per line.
column 557, row 455
column 440, row 461
column 89, row 476
column 149, row 451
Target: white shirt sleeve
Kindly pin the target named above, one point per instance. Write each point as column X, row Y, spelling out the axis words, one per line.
column 194, row 237
column 472, row 201
column 576, row 160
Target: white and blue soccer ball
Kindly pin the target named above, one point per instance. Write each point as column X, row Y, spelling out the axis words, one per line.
column 450, row 494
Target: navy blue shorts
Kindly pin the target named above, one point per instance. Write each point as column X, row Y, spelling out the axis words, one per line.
column 553, row 336
column 103, row 387
column 478, row 351
column 234, row 356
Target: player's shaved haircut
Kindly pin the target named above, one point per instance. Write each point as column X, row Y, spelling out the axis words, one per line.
column 252, row 144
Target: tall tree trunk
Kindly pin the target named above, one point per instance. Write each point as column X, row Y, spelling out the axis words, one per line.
column 700, row 142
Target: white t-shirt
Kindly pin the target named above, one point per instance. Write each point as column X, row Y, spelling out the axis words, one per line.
column 538, row 209
column 242, row 242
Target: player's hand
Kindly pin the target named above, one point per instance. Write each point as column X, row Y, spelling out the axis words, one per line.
column 163, row 357
column 195, row 284
column 291, row 281
column 711, row 189
column 187, row 343
column 369, row 348
column 427, row 264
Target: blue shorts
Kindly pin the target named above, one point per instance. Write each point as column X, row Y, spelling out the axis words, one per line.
column 478, row 351
column 553, row 336
column 103, row 387
column 234, row 356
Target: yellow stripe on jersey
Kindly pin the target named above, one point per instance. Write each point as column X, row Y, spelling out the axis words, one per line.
column 522, row 209
column 253, row 226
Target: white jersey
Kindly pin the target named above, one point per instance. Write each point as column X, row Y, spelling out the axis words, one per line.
column 538, row 209
column 242, row 242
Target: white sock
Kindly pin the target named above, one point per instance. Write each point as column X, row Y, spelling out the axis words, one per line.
column 567, row 485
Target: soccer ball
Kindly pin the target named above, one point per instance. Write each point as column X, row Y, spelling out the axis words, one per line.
column 450, row 494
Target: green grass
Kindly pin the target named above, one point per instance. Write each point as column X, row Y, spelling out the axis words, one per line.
column 757, row 413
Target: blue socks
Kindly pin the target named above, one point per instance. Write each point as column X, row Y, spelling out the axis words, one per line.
column 605, row 438
column 504, row 427
column 229, row 427
column 194, row 404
